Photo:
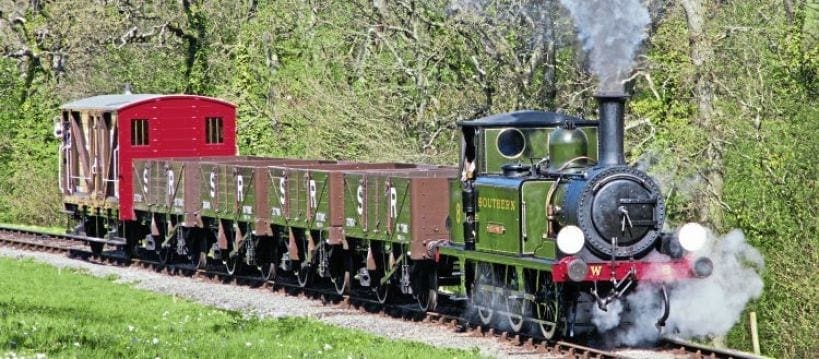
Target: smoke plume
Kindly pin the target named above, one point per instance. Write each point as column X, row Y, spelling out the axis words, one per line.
column 611, row 32
column 700, row 308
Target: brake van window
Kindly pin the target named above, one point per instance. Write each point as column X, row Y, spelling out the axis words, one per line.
column 139, row 132
column 213, row 130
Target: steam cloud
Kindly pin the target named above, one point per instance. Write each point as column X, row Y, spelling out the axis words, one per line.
column 611, row 31
column 700, row 308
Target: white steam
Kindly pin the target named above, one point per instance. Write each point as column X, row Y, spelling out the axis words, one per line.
column 700, row 308
column 608, row 319
column 611, row 32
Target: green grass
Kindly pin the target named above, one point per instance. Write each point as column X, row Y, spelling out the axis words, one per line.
column 26, row 227
column 64, row 313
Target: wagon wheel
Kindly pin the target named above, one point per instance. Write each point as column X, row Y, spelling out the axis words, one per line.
column 200, row 261
column 382, row 292
column 426, row 293
column 265, row 258
column 96, row 248
column 516, row 307
column 165, row 254
column 341, row 282
column 547, row 308
column 90, row 228
column 197, row 254
column 484, row 299
column 131, row 248
column 232, row 264
column 381, row 256
column 267, row 270
column 340, row 270
column 303, row 274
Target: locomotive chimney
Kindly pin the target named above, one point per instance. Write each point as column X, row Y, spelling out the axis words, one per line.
column 610, row 128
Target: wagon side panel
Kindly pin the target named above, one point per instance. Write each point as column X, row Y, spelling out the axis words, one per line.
column 429, row 214
column 261, row 188
column 193, row 203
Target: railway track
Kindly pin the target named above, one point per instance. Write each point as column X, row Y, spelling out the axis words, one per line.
column 74, row 247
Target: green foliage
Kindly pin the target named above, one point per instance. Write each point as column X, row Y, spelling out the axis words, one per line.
column 667, row 140
column 773, row 197
column 26, row 152
column 77, row 319
column 379, row 81
column 764, row 124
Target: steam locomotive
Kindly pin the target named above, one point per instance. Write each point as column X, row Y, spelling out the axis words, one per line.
column 541, row 220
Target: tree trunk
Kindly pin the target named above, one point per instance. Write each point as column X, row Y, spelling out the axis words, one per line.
column 550, row 56
column 788, row 4
column 701, row 52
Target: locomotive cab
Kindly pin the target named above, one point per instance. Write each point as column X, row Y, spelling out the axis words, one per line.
column 510, row 163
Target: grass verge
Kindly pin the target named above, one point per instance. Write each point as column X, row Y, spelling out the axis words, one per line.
column 26, row 227
column 63, row 313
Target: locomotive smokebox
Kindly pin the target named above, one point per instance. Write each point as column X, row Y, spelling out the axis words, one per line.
column 610, row 132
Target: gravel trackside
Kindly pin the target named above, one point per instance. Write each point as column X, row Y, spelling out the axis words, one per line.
column 265, row 303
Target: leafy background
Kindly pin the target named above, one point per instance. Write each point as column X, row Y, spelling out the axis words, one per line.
column 730, row 129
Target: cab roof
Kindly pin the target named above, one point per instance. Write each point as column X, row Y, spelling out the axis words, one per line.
column 525, row 118
column 120, row 101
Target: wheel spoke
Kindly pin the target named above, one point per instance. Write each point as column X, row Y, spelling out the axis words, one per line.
column 547, row 308
column 515, row 307
column 483, row 298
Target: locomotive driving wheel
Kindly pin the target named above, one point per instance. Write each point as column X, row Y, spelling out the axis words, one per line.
column 516, row 303
column 547, row 307
column 483, row 295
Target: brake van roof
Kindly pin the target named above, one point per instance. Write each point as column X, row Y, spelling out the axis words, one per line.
column 120, row 101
